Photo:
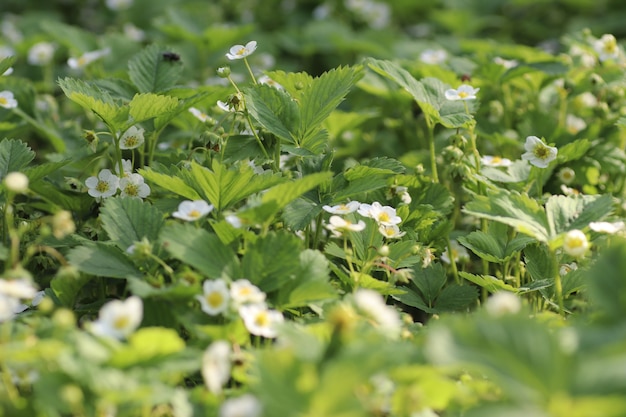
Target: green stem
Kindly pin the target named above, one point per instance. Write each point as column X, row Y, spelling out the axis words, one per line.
column 558, row 286
column 245, row 60
column 431, row 144
column 55, row 140
column 455, row 271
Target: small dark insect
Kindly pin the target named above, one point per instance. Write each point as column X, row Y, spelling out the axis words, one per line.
column 171, row 56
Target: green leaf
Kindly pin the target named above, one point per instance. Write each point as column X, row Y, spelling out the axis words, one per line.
column 66, row 287
column 224, row 186
column 494, row 246
column 146, row 346
column 312, row 283
column 273, row 260
column 512, row 208
column 539, row 263
column 170, row 180
column 40, row 171
column 427, row 285
column 552, row 68
column 102, row 260
column 518, row 171
column 5, row 63
column 488, row 282
column 456, row 298
column 151, row 72
column 298, row 214
column 129, row 220
column 147, row 106
column 197, row 248
column 274, row 110
column 573, row 150
column 15, row 155
column 320, row 97
column 99, row 101
column 608, row 286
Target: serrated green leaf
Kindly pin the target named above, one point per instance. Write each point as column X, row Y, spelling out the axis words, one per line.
column 197, row 248
column 456, row 298
column 512, row 208
column 594, row 209
column 293, row 82
column 488, row 282
column 539, row 264
column 518, row 171
column 147, row 106
column 573, row 150
column 484, row 245
column 427, row 285
column 272, row 261
column 274, row 109
column 102, row 260
column 299, row 213
column 5, row 63
column 38, row 172
column 547, row 67
column 99, row 101
column 66, row 288
column 129, row 220
column 151, row 72
column 171, row 182
column 312, row 283
column 323, row 95
column 224, row 186
column 285, row 193
column 15, row 155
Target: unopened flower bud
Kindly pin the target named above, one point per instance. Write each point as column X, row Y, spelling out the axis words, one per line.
column 223, row 72
column 383, row 250
column 16, row 182
column 63, row 224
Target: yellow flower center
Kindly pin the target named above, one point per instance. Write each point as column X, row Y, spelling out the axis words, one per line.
column 121, row 322
column 81, row 61
column 241, row 51
column 194, row 214
column 131, row 141
column 610, row 46
column 383, row 217
column 3, row 101
column 262, row 319
column 496, row 160
column 575, row 242
column 102, row 186
column 132, row 190
column 463, row 94
column 541, row 152
column 214, row 299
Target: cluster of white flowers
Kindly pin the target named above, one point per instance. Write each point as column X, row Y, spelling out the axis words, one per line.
column 118, row 319
column 244, row 297
column 12, row 293
column 385, row 217
column 106, row 183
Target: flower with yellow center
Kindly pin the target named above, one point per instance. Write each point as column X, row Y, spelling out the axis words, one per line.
column 104, row 185
column 132, row 138
column 606, row 47
column 495, row 161
column 7, row 100
column 118, row 319
column 575, row 243
column 538, row 153
column 346, row 208
column 261, row 321
column 464, row 92
column 243, row 291
column 215, row 297
column 192, row 210
column 133, row 186
column 240, row 51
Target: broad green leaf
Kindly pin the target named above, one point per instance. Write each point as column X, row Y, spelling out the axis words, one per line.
column 38, row 172
column 298, row 214
column 488, row 282
column 197, row 248
column 66, row 287
column 452, row 114
column 15, row 155
column 99, row 101
column 607, row 288
column 295, row 83
column 573, row 150
column 456, row 298
column 151, row 72
column 512, row 208
column 224, row 186
column 323, row 95
column 102, row 260
column 366, row 177
column 427, row 285
column 594, row 208
column 274, row 110
column 312, row 283
column 129, row 220
column 147, row 345
column 518, row 171
column 551, row 68
column 484, row 245
column 539, row 264
column 272, row 261
column 78, row 203
column 170, row 181
column 147, row 106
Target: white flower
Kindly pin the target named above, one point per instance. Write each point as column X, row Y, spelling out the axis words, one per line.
column 234, row 221
column 384, row 215
column 118, row 319
column 566, row 175
column 506, row 63
column 373, row 306
column 127, row 165
column 459, row 253
column 41, row 53
column 16, row 182
column 245, row 406
column 567, row 268
column 587, row 100
column 574, row 124
column 538, row 153
column 606, row 227
column 224, row 106
column 192, row 210
column 38, row 298
column 503, row 302
column 575, row 243
column 7, row 100
column 243, row 291
column 8, row 307
column 433, row 56
column 132, row 32
column 87, row 58
column 214, row 300
column 117, row 5
column 348, row 208
column 464, row 92
column 104, row 185
column 132, row 138
column 240, row 51
column 216, row 366
column 337, row 225
column 264, row 79
column 606, row 47
column 133, row 185
column 199, row 114
column 17, row 288
column 495, row 161
column 9, row 71
column 391, row 232
column 259, row 320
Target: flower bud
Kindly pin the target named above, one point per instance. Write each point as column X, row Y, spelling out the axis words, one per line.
column 223, row 72
column 16, row 182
